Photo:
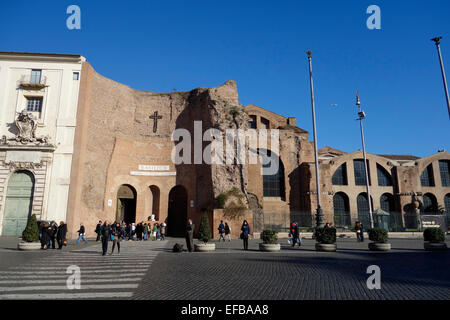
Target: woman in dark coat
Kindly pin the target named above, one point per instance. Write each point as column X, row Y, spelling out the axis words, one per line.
column 245, row 233
column 61, row 234
column 46, row 235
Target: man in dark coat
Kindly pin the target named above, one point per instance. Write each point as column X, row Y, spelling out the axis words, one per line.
column 105, row 231
column 296, row 235
column 61, row 234
column 97, row 229
column 190, row 235
column 54, row 229
column 46, row 235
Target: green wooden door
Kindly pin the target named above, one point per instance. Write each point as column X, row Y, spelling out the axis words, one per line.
column 19, row 200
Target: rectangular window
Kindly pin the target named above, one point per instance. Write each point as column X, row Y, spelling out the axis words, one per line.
column 76, row 76
column 34, row 104
column 35, row 76
column 360, row 173
column 252, row 122
column 444, row 168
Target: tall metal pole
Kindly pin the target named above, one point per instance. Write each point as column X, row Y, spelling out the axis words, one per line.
column 319, row 215
column 437, row 41
column 361, row 116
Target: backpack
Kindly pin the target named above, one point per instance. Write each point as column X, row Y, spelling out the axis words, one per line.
column 177, row 247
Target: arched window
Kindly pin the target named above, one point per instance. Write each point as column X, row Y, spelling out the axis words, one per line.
column 341, row 210
column 384, row 178
column 387, row 202
column 273, row 175
column 447, row 207
column 360, row 173
column 363, row 209
column 429, row 204
column 340, row 176
column 444, row 168
column 427, row 177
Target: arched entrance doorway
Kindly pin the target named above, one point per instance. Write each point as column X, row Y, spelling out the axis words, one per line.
column 126, row 204
column 177, row 213
column 155, row 201
column 19, row 201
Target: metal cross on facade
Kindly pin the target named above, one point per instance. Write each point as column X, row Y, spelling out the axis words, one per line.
column 155, row 118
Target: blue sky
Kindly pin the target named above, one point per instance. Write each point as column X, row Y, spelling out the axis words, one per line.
column 164, row 45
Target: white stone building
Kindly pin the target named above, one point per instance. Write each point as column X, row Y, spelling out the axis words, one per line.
column 38, row 108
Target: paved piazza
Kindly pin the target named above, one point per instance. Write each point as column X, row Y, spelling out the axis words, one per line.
column 149, row 270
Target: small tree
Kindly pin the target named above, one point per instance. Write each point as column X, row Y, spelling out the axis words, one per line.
column 434, row 235
column 204, row 231
column 378, row 235
column 31, row 232
column 326, row 235
column 269, row 236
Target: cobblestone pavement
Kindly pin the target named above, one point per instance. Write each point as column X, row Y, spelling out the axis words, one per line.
column 44, row 274
column 149, row 270
column 407, row 272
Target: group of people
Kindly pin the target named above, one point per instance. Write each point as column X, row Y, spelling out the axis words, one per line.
column 224, row 230
column 116, row 232
column 51, row 233
column 141, row 231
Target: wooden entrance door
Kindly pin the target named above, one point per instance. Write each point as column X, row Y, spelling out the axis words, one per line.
column 19, row 201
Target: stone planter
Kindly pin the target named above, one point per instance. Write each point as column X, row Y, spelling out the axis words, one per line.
column 435, row 246
column 326, row 247
column 28, row 246
column 205, row 247
column 373, row 246
column 269, row 247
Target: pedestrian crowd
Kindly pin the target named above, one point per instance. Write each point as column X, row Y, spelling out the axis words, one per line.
column 51, row 233
column 117, row 232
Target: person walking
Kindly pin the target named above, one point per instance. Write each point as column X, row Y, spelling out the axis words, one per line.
column 81, row 234
column 190, row 235
column 97, row 230
column 221, row 231
column 45, row 235
column 116, row 235
column 54, row 229
column 61, row 235
column 132, row 231
column 245, row 233
column 158, row 231
column 163, row 231
column 227, row 232
column 105, row 232
column 155, row 228
column 139, row 231
column 362, row 231
column 296, row 235
column 359, row 231
column 145, row 231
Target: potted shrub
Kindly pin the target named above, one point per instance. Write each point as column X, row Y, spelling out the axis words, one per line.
column 434, row 239
column 380, row 239
column 204, row 235
column 270, row 241
column 30, row 236
column 326, row 239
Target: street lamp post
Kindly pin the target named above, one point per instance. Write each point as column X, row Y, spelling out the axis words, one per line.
column 319, row 214
column 361, row 116
column 437, row 41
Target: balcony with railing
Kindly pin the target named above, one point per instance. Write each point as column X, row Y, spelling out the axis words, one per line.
column 30, row 82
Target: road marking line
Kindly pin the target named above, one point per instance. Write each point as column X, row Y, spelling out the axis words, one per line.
column 83, row 287
column 57, row 296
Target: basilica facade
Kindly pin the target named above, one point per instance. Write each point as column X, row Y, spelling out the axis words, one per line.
column 104, row 151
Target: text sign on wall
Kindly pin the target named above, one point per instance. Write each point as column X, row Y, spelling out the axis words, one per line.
column 437, row 221
column 152, row 174
column 153, row 168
